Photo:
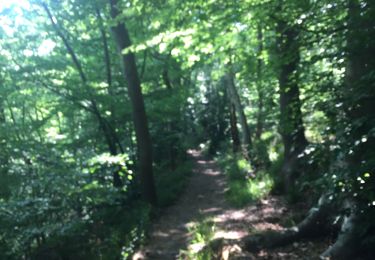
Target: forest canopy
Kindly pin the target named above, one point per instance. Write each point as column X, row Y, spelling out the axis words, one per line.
column 101, row 99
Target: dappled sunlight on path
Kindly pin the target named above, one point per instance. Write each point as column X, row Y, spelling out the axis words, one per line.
column 203, row 198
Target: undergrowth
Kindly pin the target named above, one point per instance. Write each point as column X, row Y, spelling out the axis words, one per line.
column 244, row 185
column 170, row 183
column 202, row 233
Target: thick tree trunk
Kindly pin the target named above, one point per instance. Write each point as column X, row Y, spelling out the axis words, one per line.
column 349, row 241
column 359, row 100
column 246, row 143
column 138, row 108
column 291, row 124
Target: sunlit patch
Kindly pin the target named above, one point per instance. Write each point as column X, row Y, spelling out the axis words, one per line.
column 267, row 226
column 211, row 210
column 237, row 215
column 196, row 247
column 46, row 47
column 17, row 8
column 230, row 234
column 53, row 134
column 211, row 172
column 9, row 3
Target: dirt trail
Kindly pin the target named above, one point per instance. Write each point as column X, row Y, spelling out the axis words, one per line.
column 204, row 198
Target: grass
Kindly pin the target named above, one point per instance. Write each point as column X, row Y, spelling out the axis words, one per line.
column 202, row 233
column 243, row 186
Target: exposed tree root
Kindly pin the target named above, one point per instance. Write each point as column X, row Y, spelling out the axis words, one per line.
column 348, row 242
column 319, row 222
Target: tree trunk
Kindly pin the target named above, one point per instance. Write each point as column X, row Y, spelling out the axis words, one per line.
column 171, row 125
column 355, row 228
column 260, row 117
column 138, row 108
column 234, row 129
column 107, row 62
column 317, row 223
column 4, row 156
column 359, row 100
column 246, row 143
column 291, row 124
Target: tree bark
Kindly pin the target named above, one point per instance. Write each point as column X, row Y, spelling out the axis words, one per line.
column 359, row 99
column 292, row 129
column 234, row 129
column 138, row 108
column 317, row 223
column 260, row 117
column 4, row 156
column 246, row 143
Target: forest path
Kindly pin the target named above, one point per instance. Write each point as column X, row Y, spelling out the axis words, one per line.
column 203, row 198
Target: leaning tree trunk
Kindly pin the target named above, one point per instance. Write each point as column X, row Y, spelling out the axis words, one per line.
column 138, row 108
column 246, row 143
column 291, row 124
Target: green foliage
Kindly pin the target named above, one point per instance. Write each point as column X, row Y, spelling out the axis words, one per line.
column 202, row 233
column 79, row 211
column 243, row 185
column 63, row 138
column 171, row 183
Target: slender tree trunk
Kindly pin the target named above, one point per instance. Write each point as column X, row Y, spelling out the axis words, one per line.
column 171, row 126
column 107, row 62
column 139, row 113
column 234, row 129
column 166, row 80
column 260, row 117
column 246, row 143
column 4, row 156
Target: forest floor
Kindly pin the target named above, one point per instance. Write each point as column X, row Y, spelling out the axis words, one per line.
column 204, row 198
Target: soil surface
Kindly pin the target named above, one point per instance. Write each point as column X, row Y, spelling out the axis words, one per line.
column 204, row 197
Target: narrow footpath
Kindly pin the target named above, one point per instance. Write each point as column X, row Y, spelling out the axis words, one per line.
column 204, row 197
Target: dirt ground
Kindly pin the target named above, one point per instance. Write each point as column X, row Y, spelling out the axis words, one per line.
column 204, row 198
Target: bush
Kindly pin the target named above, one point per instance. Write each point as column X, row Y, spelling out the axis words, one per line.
column 244, row 185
